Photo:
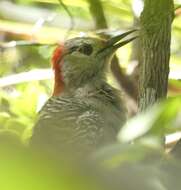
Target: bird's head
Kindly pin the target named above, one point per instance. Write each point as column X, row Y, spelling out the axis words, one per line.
column 83, row 59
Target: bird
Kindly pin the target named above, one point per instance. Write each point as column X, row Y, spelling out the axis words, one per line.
column 84, row 111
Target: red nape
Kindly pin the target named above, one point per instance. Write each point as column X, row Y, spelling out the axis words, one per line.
column 56, row 64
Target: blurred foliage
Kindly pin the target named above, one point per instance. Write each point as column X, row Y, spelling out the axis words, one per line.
column 20, row 169
column 19, row 107
column 163, row 118
column 20, row 103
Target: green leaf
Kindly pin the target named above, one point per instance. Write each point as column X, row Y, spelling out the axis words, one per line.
column 158, row 120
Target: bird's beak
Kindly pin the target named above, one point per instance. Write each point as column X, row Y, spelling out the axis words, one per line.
column 114, row 43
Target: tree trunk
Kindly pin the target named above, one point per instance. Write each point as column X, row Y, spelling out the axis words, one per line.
column 156, row 20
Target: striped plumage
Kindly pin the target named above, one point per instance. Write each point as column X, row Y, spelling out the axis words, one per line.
column 85, row 112
column 80, row 121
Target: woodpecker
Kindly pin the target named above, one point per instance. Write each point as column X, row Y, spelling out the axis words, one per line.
column 84, row 112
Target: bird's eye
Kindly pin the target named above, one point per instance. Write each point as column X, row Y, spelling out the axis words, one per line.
column 86, row 49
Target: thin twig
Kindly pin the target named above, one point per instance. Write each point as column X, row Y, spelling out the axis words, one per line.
column 13, row 44
column 178, row 11
column 33, row 75
column 72, row 24
column 177, row 7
